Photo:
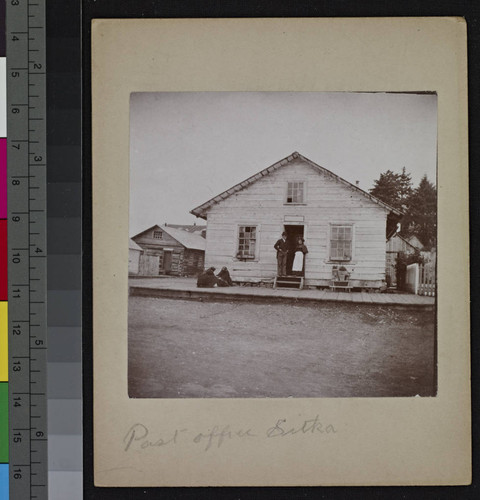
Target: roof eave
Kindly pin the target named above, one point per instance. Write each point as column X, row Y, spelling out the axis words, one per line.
column 349, row 184
column 201, row 210
column 144, row 231
column 198, row 213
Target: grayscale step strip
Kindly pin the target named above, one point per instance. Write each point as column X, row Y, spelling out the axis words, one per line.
column 64, row 368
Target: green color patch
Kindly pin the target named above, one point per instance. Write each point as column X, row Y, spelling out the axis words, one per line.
column 4, row 422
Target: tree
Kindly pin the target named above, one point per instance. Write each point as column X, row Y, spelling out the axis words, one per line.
column 394, row 189
column 418, row 205
column 406, row 190
column 421, row 215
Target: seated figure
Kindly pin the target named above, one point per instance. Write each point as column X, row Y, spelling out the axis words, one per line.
column 207, row 279
column 224, row 277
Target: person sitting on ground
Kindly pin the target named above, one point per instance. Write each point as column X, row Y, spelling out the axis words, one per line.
column 224, row 277
column 207, row 279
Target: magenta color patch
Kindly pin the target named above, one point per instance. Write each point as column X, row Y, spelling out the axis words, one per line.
column 3, row 178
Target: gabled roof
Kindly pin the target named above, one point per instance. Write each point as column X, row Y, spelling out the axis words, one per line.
column 190, row 228
column 191, row 241
column 408, row 241
column 201, row 210
column 133, row 246
column 415, row 242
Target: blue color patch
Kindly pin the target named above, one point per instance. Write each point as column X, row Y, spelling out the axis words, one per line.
column 3, row 481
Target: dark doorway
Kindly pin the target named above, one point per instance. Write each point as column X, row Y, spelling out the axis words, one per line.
column 167, row 262
column 293, row 233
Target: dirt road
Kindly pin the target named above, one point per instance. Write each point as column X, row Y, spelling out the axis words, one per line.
column 182, row 349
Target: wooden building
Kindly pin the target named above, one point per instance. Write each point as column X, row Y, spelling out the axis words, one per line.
column 134, row 253
column 169, row 250
column 342, row 225
column 398, row 244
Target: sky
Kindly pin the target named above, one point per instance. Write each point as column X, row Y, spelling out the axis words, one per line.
column 187, row 147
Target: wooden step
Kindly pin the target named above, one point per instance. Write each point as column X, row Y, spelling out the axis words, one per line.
column 293, row 279
column 295, row 282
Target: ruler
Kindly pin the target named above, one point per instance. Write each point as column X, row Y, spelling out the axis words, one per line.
column 27, row 248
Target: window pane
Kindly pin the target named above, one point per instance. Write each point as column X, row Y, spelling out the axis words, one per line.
column 246, row 241
column 295, row 192
column 348, row 251
column 341, row 242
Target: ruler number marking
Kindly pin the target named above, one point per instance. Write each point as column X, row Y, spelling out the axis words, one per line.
column 26, row 109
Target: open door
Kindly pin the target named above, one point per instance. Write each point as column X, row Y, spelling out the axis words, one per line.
column 167, row 262
column 293, row 233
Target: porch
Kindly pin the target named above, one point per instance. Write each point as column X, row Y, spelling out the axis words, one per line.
column 185, row 288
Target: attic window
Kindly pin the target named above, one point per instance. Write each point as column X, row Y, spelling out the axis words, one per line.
column 158, row 235
column 296, row 192
column 247, row 239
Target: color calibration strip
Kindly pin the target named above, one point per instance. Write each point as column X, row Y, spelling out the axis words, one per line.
column 3, row 266
column 27, row 249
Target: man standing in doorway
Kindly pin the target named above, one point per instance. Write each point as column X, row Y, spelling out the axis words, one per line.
column 281, row 247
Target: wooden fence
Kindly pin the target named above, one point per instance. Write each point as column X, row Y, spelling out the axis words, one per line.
column 421, row 279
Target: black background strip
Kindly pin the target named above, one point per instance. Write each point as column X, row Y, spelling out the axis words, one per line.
column 227, row 8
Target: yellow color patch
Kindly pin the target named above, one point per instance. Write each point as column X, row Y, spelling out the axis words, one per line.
column 3, row 341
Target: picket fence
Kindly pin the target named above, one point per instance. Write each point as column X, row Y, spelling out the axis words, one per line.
column 421, row 279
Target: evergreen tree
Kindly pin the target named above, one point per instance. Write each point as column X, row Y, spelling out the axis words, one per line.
column 406, row 190
column 418, row 205
column 394, row 189
column 421, row 216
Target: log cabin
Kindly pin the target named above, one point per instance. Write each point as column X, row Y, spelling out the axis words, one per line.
column 169, row 250
column 342, row 225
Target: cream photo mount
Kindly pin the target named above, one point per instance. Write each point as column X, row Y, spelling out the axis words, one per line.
column 278, row 442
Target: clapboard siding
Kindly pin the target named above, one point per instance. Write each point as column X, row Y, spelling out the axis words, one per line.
column 327, row 202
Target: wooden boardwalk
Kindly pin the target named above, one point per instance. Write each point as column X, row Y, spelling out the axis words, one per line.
column 186, row 288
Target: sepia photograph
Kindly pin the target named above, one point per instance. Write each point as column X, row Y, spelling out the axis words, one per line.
column 282, row 245
column 280, row 252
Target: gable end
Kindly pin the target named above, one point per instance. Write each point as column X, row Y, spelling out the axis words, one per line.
column 201, row 210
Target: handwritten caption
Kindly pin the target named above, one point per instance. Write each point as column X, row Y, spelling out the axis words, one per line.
column 139, row 437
